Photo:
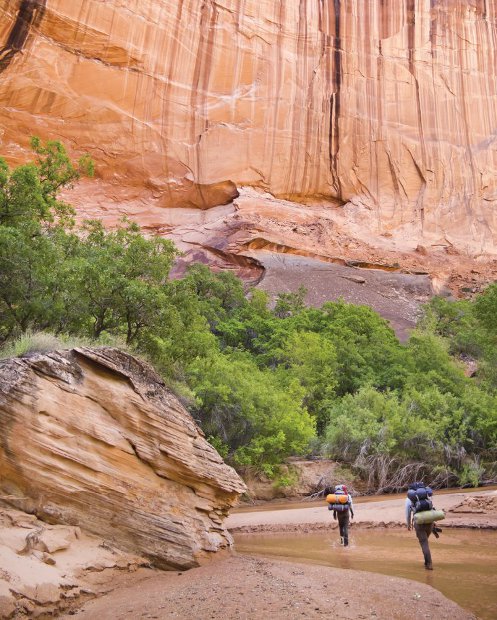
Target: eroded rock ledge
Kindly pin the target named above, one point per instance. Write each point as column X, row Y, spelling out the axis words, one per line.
column 93, row 438
column 47, row 569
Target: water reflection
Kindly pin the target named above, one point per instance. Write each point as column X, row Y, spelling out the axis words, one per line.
column 465, row 561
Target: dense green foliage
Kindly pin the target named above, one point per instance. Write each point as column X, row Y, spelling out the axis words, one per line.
column 264, row 381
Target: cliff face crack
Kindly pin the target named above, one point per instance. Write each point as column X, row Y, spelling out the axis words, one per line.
column 30, row 14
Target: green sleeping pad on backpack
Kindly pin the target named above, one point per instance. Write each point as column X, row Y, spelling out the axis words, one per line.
column 429, row 516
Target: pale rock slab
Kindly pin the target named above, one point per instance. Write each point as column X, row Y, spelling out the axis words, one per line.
column 94, row 439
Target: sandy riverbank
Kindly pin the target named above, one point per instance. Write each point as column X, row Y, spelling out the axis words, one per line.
column 473, row 509
column 248, row 588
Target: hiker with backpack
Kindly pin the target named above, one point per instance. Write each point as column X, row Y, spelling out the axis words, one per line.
column 341, row 503
column 421, row 514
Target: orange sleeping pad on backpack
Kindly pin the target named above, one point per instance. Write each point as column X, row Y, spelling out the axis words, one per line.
column 334, row 498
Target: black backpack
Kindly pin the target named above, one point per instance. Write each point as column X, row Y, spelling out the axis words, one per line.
column 420, row 496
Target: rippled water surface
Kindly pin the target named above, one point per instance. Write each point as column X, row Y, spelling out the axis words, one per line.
column 465, row 561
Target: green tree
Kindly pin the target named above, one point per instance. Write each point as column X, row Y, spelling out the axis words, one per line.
column 28, row 281
column 118, row 280
column 219, row 294
column 246, row 409
column 29, row 193
column 290, row 304
column 362, row 423
column 33, row 241
column 311, row 359
column 486, row 310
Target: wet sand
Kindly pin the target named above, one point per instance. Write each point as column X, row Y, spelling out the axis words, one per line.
column 249, row 588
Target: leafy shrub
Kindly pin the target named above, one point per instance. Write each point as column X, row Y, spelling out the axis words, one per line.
column 471, row 474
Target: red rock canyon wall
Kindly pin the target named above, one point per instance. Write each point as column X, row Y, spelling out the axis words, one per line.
column 386, row 106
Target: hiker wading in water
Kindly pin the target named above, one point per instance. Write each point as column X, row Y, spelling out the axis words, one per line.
column 419, row 501
column 341, row 503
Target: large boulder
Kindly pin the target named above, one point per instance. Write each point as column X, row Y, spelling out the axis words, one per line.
column 93, row 438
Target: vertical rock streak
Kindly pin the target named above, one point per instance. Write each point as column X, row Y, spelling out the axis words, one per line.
column 200, row 84
column 301, row 104
column 334, row 138
column 30, row 14
column 420, row 167
column 276, row 90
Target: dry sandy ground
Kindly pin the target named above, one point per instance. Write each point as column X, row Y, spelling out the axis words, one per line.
column 243, row 588
column 248, row 588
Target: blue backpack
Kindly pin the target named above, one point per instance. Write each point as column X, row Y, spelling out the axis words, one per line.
column 420, row 496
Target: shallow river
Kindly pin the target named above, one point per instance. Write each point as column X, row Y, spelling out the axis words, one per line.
column 465, row 561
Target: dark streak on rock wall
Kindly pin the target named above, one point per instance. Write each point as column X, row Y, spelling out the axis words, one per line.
column 30, row 14
column 411, row 30
column 334, row 137
column 433, row 28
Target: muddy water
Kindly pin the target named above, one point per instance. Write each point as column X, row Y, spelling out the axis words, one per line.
column 465, row 561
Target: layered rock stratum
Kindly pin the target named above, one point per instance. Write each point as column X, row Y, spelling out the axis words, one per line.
column 366, row 129
column 93, row 439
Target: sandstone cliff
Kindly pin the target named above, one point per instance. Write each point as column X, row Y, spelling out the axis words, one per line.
column 93, row 438
column 383, row 114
